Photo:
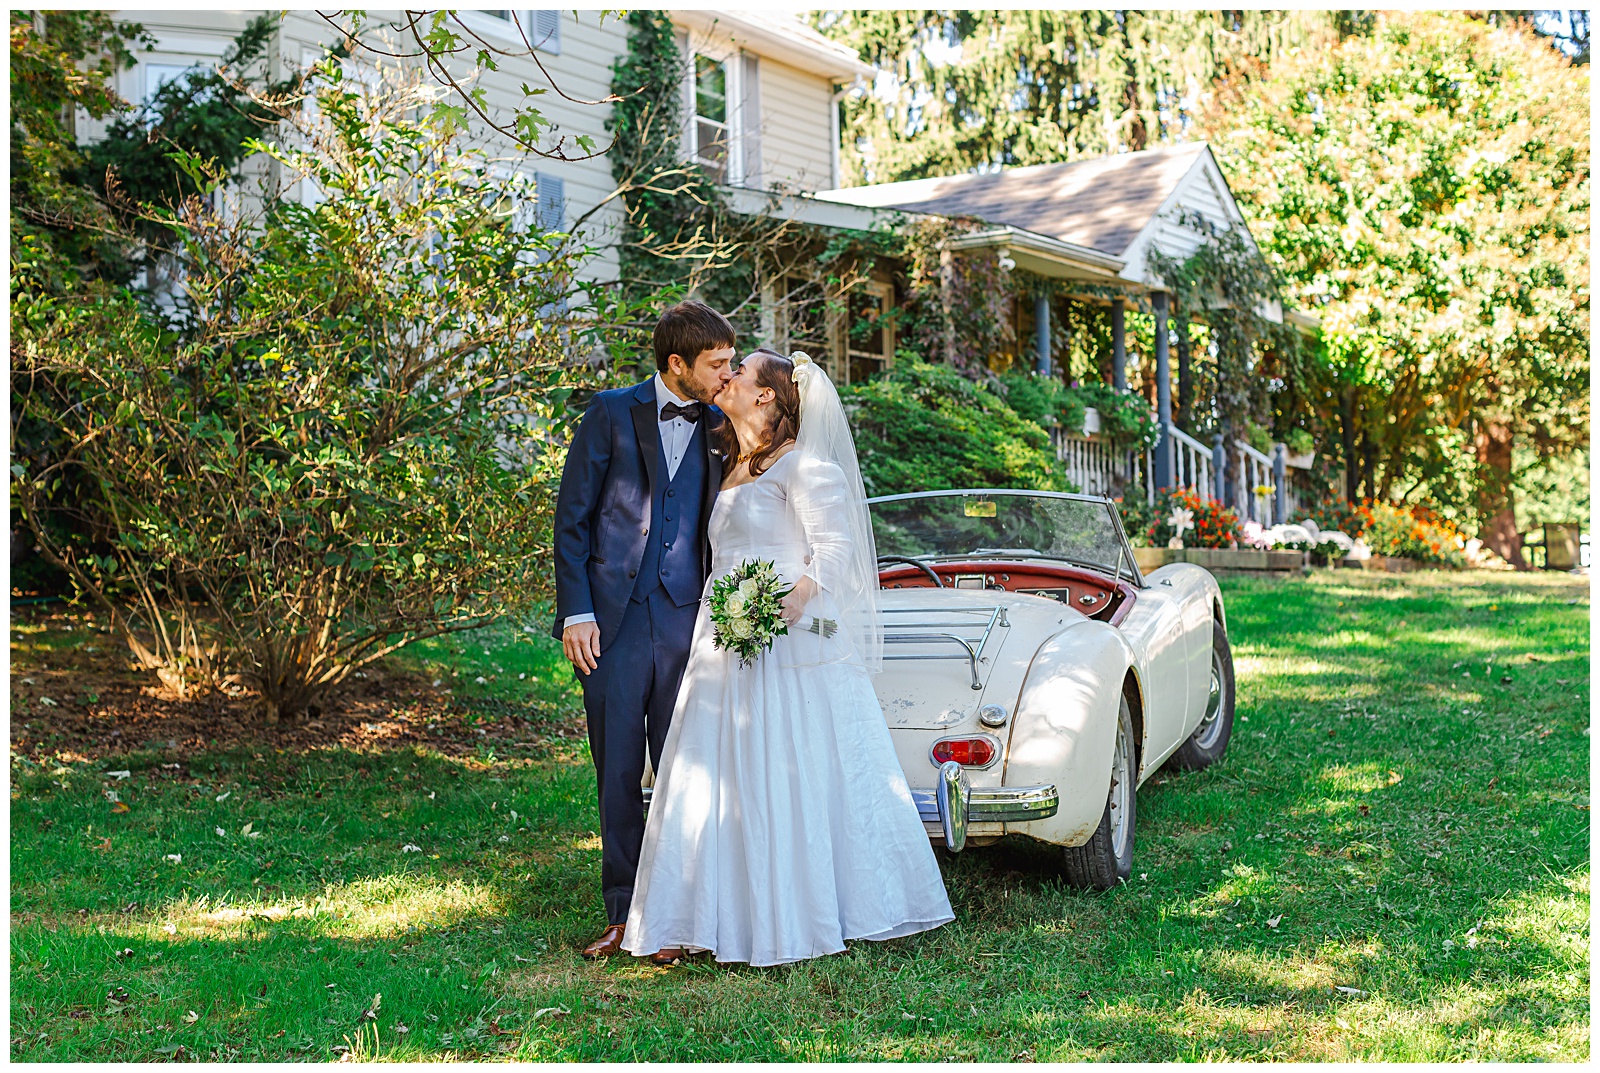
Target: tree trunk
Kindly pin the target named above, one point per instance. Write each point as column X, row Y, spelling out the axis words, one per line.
column 1347, row 436
column 1496, row 506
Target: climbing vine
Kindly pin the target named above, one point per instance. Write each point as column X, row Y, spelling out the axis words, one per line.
column 1257, row 372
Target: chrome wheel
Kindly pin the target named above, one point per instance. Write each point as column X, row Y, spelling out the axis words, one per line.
column 1121, row 794
column 1206, row 734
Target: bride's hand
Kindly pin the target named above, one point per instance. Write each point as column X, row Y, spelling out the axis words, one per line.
column 794, row 604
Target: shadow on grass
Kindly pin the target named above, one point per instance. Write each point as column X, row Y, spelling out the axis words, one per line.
column 1371, row 829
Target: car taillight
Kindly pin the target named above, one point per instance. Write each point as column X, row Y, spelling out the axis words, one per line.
column 968, row 752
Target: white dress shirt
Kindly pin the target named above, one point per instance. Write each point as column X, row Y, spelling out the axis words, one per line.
column 675, row 437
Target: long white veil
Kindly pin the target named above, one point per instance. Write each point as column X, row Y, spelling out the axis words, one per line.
column 825, row 436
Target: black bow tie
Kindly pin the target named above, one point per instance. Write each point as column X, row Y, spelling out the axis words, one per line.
column 689, row 411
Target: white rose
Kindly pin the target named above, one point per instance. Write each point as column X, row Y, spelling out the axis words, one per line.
column 734, row 605
column 740, row 627
column 748, row 588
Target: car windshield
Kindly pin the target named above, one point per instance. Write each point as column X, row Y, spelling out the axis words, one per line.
column 1003, row 524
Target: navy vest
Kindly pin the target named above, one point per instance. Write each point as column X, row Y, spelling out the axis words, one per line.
column 673, row 556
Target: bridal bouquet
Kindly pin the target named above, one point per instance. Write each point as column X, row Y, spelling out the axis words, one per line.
column 747, row 610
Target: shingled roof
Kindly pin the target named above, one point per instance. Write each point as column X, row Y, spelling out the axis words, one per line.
column 1101, row 204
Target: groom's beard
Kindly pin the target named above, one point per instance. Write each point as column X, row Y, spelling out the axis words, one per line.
column 703, row 394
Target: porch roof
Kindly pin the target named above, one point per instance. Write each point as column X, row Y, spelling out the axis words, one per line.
column 1102, row 204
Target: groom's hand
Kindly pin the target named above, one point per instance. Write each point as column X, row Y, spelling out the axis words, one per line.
column 581, row 643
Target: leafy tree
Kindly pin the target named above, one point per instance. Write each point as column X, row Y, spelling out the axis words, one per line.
column 975, row 89
column 209, row 114
column 61, row 61
column 345, row 441
column 1425, row 189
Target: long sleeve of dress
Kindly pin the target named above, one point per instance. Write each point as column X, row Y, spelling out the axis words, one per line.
column 817, row 494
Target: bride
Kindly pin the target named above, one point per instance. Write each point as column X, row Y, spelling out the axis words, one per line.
column 781, row 823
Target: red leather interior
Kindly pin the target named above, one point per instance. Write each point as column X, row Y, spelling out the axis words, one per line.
column 1082, row 590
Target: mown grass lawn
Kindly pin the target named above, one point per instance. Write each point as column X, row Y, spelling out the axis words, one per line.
column 1391, row 862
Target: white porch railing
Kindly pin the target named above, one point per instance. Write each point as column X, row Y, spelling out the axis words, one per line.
column 1095, row 468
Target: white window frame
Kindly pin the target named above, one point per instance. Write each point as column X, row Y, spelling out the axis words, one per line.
column 175, row 71
column 733, row 88
column 885, row 295
column 516, row 31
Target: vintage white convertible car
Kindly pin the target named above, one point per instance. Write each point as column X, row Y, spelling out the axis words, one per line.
column 1033, row 678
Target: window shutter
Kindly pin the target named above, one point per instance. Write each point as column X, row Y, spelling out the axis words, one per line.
column 750, row 119
column 546, row 31
column 551, row 193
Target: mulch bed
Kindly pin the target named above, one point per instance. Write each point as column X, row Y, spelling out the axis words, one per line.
column 83, row 701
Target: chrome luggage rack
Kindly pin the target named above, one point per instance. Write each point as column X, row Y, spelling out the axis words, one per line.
column 938, row 626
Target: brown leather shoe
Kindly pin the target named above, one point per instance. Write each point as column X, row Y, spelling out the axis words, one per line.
column 609, row 943
column 670, row 955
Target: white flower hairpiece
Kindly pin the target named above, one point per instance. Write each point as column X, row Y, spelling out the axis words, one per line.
column 802, row 365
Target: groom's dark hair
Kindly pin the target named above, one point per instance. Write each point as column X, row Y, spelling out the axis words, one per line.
column 688, row 328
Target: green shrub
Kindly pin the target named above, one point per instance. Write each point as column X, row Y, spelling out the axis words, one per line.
column 348, row 442
column 1125, row 420
column 921, row 427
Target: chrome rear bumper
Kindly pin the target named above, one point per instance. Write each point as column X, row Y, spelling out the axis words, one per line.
column 983, row 804
column 950, row 808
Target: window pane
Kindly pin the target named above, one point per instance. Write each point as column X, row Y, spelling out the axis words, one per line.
column 866, row 322
column 710, row 89
column 806, row 319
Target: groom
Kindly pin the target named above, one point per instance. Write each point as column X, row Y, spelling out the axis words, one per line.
column 631, row 559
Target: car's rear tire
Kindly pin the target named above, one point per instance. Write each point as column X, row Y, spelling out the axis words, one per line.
column 1107, row 858
column 1210, row 739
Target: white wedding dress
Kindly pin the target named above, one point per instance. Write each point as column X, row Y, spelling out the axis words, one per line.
column 781, row 823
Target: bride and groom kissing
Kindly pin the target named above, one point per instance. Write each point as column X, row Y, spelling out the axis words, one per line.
column 781, row 824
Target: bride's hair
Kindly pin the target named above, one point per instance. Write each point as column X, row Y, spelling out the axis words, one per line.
column 775, row 372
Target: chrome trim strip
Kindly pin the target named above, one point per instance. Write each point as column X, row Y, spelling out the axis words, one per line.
column 996, row 804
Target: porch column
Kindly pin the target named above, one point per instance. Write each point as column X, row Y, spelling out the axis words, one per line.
column 1041, row 331
column 1163, row 459
column 1119, row 345
column 1280, row 484
column 1219, row 469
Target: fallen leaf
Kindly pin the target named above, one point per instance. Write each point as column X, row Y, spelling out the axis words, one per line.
column 119, row 807
column 190, row 1018
column 224, row 796
column 118, row 774
column 176, row 858
column 104, row 845
column 170, row 929
column 409, row 848
column 551, row 1011
column 1343, row 990
column 1272, row 922
column 220, row 832
column 47, row 702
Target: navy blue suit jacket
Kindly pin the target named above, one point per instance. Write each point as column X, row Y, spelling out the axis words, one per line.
column 602, row 518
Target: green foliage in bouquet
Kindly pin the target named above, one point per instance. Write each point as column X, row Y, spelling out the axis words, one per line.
column 747, row 610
